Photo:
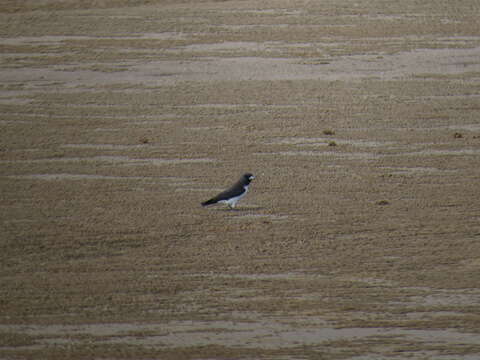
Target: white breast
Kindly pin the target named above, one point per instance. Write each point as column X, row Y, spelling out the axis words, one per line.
column 233, row 201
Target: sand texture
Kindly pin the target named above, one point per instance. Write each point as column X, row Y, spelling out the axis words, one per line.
column 359, row 238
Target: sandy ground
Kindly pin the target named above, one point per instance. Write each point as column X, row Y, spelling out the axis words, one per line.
column 359, row 239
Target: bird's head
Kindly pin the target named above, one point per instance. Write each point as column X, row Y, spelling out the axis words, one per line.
column 248, row 177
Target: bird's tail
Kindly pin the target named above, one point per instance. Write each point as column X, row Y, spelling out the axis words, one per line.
column 209, row 202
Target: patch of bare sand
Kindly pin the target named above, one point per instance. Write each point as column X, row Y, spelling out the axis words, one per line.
column 421, row 62
column 269, row 333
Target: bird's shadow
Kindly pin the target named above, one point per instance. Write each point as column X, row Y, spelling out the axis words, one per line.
column 239, row 209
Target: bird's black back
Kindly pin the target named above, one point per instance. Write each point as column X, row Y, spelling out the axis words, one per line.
column 235, row 190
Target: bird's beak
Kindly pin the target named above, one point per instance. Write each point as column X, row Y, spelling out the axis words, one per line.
column 252, row 177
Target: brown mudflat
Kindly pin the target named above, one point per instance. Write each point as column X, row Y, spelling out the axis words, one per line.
column 118, row 120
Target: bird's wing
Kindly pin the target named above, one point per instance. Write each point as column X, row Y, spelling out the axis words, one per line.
column 234, row 191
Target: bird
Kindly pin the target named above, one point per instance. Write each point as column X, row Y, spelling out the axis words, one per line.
column 232, row 195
